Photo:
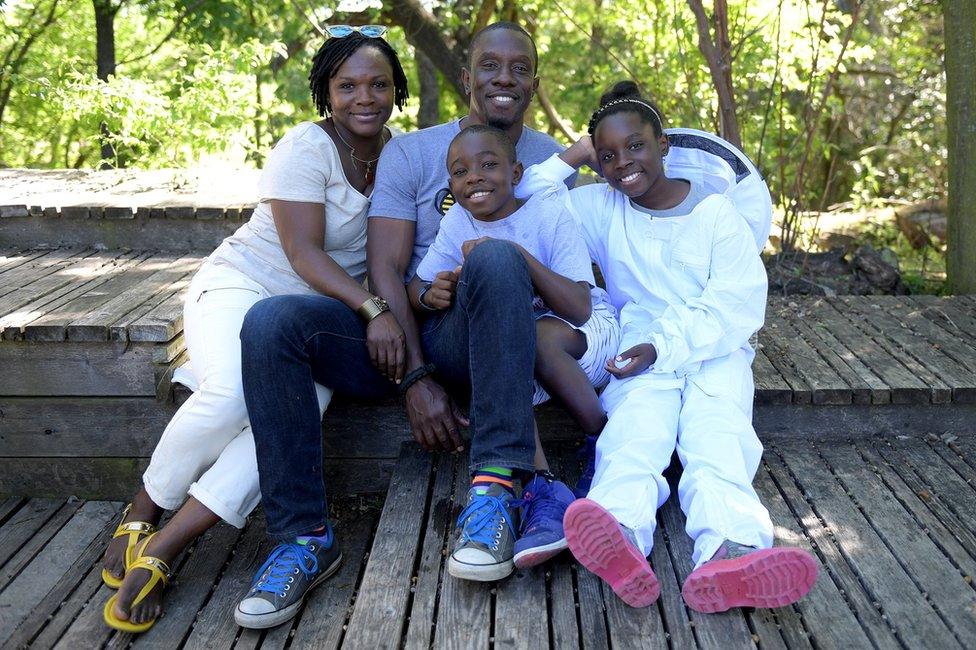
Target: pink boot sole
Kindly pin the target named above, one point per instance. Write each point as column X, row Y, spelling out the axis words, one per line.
column 772, row 577
column 598, row 543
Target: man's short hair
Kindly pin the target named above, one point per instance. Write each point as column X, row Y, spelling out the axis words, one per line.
column 504, row 24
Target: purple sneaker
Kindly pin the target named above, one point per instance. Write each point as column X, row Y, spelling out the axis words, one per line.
column 543, row 503
column 587, row 454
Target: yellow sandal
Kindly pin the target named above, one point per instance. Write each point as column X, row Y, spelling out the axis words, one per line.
column 137, row 531
column 159, row 571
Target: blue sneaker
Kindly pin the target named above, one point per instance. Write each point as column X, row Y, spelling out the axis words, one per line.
column 290, row 572
column 486, row 535
column 541, row 536
column 587, row 454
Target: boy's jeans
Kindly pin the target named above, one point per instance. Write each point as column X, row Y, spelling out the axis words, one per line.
column 483, row 346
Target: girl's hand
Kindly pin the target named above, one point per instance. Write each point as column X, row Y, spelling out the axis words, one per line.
column 441, row 292
column 469, row 245
column 581, row 153
column 640, row 357
column 386, row 344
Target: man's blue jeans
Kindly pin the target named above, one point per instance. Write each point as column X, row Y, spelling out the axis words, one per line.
column 483, row 347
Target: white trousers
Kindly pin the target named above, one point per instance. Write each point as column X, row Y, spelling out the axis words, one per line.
column 716, row 444
column 207, row 450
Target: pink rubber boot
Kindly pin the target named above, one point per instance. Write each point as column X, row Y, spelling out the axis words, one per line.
column 772, row 577
column 599, row 544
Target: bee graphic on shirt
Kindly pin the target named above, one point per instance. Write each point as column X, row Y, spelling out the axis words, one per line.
column 443, row 201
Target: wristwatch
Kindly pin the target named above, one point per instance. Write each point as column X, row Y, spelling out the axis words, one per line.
column 372, row 308
column 420, row 297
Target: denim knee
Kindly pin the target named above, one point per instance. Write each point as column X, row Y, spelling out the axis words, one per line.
column 267, row 321
column 498, row 261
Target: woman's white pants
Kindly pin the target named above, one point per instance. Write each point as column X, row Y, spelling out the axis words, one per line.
column 716, row 445
column 207, row 450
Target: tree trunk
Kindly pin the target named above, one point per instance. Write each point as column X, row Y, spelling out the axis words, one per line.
column 718, row 56
column 430, row 92
column 960, row 43
column 105, row 61
column 422, row 32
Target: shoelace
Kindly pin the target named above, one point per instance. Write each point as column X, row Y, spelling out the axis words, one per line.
column 284, row 562
column 485, row 514
column 540, row 506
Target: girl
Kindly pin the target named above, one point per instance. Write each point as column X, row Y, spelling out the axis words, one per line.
column 683, row 271
column 307, row 235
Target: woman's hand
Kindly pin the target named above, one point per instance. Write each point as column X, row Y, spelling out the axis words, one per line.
column 435, row 419
column 641, row 357
column 440, row 295
column 385, row 341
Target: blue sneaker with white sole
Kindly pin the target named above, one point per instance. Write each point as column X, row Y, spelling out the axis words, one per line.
column 587, row 454
column 544, row 502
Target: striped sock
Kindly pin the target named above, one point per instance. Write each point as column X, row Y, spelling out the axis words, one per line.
column 487, row 476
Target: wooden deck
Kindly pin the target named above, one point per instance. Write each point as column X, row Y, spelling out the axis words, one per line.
column 890, row 521
column 89, row 340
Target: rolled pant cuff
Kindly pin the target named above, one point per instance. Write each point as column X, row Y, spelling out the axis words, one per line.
column 158, row 498
column 218, row 507
column 508, row 464
column 289, row 536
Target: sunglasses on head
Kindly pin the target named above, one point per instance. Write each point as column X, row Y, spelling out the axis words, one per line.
column 341, row 31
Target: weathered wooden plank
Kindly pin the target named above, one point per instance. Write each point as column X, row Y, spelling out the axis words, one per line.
column 8, row 507
column 866, row 387
column 725, row 630
column 81, row 426
column 908, row 611
column 386, row 584
column 827, row 387
column 39, row 267
column 15, row 256
column 13, row 321
column 948, row 486
column 105, row 369
column 88, row 629
column 187, row 593
column 165, row 352
column 954, row 454
column 959, row 543
column 520, row 601
column 785, row 422
column 960, row 349
column 771, row 388
column 433, row 550
column 165, row 320
column 939, row 367
column 828, row 618
column 323, row 620
column 825, row 602
column 941, row 583
column 25, row 554
column 24, row 524
column 55, row 627
column 905, row 387
column 96, row 478
column 119, row 330
column 772, row 344
column 75, row 579
column 955, row 314
column 95, row 325
column 678, row 626
column 53, row 326
column 464, row 610
column 52, row 562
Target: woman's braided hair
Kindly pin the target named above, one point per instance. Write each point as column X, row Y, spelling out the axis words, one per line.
column 625, row 96
column 334, row 52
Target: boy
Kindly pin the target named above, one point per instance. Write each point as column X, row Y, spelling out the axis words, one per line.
column 575, row 332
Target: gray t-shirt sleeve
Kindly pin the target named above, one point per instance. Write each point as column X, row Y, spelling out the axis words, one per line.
column 569, row 257
column 445, row 253
column 395, row 193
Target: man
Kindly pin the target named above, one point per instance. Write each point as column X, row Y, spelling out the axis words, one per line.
column 484, row 346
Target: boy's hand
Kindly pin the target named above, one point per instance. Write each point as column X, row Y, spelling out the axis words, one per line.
column 469, row 245
column 640, row 357
column 441, row 292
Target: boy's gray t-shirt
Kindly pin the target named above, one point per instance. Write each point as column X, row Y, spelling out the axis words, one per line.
column 411, row 179
column 542, row 225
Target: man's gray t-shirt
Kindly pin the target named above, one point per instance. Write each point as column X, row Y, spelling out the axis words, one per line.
column 543, row 226
column 411, row 179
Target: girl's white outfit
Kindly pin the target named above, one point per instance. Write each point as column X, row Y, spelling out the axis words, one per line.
column 694, row 287
column 207, row 450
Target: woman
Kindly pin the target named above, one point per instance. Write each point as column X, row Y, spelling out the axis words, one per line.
column 307, row 235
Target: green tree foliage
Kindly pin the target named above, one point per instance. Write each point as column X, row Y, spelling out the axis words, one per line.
column 837, row 101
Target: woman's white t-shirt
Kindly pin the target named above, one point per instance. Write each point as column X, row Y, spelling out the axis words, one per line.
column 303, row 166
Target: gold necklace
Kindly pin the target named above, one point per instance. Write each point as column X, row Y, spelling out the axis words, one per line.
column 352, row 151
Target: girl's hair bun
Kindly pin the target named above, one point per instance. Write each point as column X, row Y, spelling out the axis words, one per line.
column 626, row 89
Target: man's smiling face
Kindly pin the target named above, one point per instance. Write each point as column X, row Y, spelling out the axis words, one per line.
column 502, row 77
